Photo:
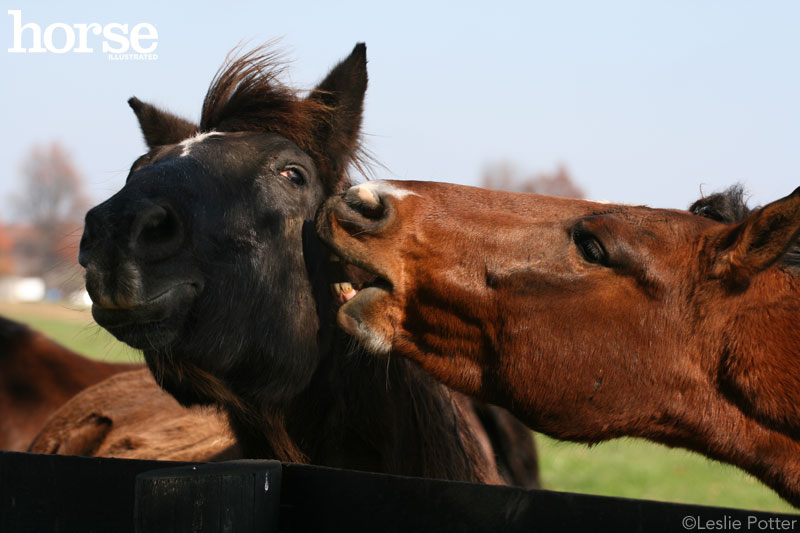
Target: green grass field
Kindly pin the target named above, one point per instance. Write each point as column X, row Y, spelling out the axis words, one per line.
column 633, row 468
column 625, row 467
column 72, row 328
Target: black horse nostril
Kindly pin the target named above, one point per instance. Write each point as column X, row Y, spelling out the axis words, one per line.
column 83, row 251
column 156, row 232
column 83, row 258
column 90, row 234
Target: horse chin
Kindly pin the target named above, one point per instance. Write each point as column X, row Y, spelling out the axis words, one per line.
column 363, row 317
column 169, row 378
column 153, row 324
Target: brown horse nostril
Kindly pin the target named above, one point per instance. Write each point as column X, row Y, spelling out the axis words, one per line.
column 156, row 232
column 365, row 201
column 374, row 212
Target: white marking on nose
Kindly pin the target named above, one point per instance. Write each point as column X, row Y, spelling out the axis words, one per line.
column 366, row 196
column 376, row 189
column 187, row 144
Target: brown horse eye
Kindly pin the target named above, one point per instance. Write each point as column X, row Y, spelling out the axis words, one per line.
column 590, row 248
column 293, row 175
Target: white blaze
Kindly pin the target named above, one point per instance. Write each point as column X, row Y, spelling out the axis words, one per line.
column 188, row 144
column 381, row 188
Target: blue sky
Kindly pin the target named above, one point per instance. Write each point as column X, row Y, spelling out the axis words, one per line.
column 644, row 102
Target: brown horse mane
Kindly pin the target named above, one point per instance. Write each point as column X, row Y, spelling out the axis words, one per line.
column 730, row 207
column 247, row 94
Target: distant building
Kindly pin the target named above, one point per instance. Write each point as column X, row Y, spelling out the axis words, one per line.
column 18, row 289
column 22, row 257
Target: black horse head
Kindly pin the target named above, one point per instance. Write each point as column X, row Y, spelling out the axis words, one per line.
column 206, row 259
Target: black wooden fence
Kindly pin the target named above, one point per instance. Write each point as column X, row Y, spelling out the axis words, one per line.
column 58, row 493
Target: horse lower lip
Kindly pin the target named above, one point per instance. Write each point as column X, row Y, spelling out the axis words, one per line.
column 117, row 318
column 165, row 294
column 373, row 290
column 152, row 310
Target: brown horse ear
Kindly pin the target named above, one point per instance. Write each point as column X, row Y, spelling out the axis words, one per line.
column 760, row 241
column 342, row 93
column 160, row 127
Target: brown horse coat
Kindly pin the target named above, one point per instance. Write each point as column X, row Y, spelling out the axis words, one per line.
column 589, row 321
column 37, row 376
column 128, row 416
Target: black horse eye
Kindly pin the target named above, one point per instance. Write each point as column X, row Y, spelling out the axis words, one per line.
column 293, row 175
column 590, row 248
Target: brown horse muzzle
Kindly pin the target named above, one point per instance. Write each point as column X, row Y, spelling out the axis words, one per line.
column 353, row 225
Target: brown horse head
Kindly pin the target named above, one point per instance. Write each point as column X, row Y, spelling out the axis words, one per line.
column 589, row 321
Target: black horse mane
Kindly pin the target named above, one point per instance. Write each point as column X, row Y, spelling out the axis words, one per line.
column 247, row 94
column 730, row 207
column 415, row 425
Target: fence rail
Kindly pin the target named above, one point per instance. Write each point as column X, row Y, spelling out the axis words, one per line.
column 61, row 493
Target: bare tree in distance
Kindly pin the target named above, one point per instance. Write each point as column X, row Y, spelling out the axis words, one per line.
column 52, row 199
column 505, row 177
column 6, row 252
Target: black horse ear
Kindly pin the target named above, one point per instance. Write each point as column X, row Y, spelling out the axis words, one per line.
column 342, row 92
column 160, row 127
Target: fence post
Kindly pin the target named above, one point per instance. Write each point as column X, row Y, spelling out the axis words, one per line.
column 231, row 496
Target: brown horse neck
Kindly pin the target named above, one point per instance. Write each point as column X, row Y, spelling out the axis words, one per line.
column 759, row 351
column 707, row 422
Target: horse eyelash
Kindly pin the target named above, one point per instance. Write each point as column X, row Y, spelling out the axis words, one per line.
column 581, row 237
column 300, row 182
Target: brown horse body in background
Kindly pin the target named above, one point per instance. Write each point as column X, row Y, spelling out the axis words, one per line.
column 37, row 376
column 128, row 416
column 53, row 400
column 589, row 321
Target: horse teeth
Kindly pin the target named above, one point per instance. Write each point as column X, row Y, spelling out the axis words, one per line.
column 342, row 288
column 343, row 291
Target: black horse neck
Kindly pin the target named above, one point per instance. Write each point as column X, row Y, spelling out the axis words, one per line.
column 364, row 413
column 359, row 411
